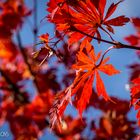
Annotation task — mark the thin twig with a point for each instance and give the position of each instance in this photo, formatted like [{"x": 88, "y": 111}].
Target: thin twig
[
  {"x": 118, "y": 44},
  {"x": 26, "y": 61},
  {"x": 35, "y": 30}
]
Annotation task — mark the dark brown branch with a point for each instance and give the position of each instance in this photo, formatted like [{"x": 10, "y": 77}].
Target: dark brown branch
[
  {"x": 13, "y": 86},
  {"x": 118, "y": 44},
  {"x": 17, "y": 94},
  {"x": 5, "y": 88},
  {"x": 35, "y": 30},
  {"x": 26, "y": 61}
]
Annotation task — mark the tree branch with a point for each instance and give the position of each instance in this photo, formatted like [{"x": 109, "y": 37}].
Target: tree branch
[
  {"x": 14, "y": 87},
  {"x": 35, "y": 30},
  {"x": 117, "y": 44},
  {"x": 17, "y": 94},
  {"x": 5, "y": 88},
  {"x": 26, "y": 61}
]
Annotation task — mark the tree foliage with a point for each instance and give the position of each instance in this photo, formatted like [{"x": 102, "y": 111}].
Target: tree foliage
[{"x": 64, "y": 69}]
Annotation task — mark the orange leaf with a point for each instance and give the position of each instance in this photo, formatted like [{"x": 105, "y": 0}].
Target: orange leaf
[
  {"x": 100, "y": 87},
  {"x": 86, "y": 67},
  {"x": 111, "y": 9},
  {"x": 85, "y": 95},
  {"x": 108, "y": 69},
  {"x": 107, "y": 125},
  {"x": 118, "y": 21},
  {"x": 44, "y": 37},
  {"x": 135, "y": 96}
]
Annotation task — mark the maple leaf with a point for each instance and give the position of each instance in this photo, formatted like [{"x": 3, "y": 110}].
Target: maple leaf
[
  {"x": 46, "y": 50},
  {"x": 71, "y": 128},
  {"x": 13, "y": 12},
  {"x": 134, "y": 39},
  {"x": 88, "y": 70},
  {"x": 135, "y": 96},
  {"x": 44, "y": 38},
  {"x": 136, "y": 23},
  {"x": 61, "y": 101},
  {"x": 85, "y": 18},
  {"x": 8, "y": 49},
  {"x": 114, "y": 125}
]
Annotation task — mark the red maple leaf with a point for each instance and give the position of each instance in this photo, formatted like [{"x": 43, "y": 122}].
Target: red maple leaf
[
  {"x": 134, "y": 39},
  {"x": 85, "y": 18},
  {"x": 13, "y": 12},
  {"x": 44, "y": 38},
  {"x": 88, "y": 70},
  {"x": 135, "y": 96},
  {"x": 71, "y": 128},
  {"x": 8, "y": 50},
  {"x": 45, "y": 51}
]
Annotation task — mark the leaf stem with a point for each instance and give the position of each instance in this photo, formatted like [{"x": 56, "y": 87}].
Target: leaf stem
[{"x": 110, "y": 48}]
